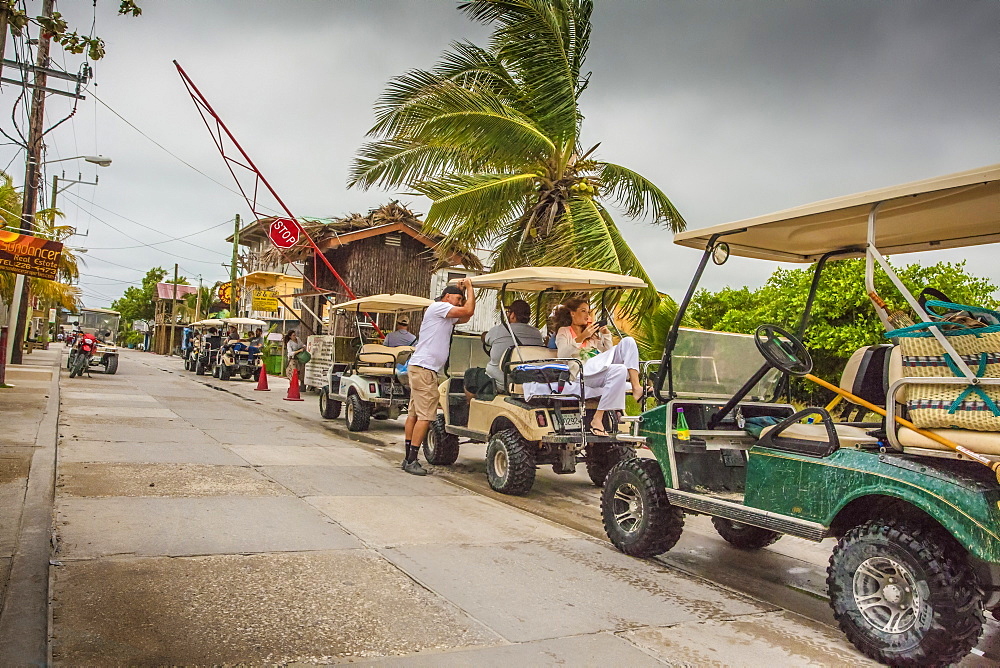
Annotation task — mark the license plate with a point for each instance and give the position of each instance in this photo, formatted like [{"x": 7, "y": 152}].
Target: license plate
[{"x": 571, "y": 421}]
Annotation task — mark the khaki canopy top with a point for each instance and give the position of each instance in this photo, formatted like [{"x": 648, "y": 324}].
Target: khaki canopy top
[
  {"x": 211, "y": 322},
  {"x": 559, "y": 279},
  {"x": 951, "y": 211},
  {"x": 244, "y": 321},
  {"x": 385, "y": 303}
]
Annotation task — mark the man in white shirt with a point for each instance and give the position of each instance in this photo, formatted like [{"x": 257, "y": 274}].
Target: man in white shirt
[
  {"x": 456, "y": 305},
  {"x": 401, "y": 336}
]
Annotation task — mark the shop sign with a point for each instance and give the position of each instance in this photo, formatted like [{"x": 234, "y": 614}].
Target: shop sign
[
  {"x": 31, "y": 256},
  {"x": 265, "y": 300}
]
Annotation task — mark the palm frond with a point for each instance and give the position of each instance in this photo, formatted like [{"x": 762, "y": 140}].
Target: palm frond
[
  {"x": 476, "y": 198},
  {"x": 473, "y": 67},
  {"x": 391, "y": 163},
  {"x": 638, "y": 196}
]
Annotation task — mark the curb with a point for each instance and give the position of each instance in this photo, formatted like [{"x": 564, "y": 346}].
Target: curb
[{"x": 24, "y": 620}]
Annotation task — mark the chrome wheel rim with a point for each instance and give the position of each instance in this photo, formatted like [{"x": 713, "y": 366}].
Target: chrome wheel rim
[
  {"x": 627, "y": 507},
  {"x": 500, "y": 463},
  {"x": 349, "y": 413},
  {"x": 886, "y": 594},
  {"x": 322, "y": 402}
]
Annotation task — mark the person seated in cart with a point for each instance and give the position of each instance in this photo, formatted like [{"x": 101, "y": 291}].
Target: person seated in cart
[
  {"x": 499, "y": 340},
  {"x": 401, "y": 336},
  {"x": 256, "y": 342}
]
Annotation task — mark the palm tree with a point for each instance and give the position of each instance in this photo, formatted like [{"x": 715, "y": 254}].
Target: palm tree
[
  {"x": 492, "y": 137},
  {"x": 60, "y": 291}
]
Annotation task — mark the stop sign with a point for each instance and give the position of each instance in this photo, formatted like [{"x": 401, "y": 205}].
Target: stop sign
[{"x": 284, "y": 232}]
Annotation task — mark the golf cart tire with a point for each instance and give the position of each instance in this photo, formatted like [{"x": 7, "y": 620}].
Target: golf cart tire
[
  {"x": 440, "y": 447},
  {"x": 658, "y": 524},
  {"x": 744, "y": 536},
  {"x": 329, "y": 408},
  {"x": 224, "y": 372},
  {"x": 199, "y": 368},
  {"x": 518, "y": 472},
  {"x": 950, "y": 619},
  {"x": 256, "y": 374},
  {"x": 602, "y": 459},
  {"x": 112, "y": 366},
  {"x": 358, "y": 414}
]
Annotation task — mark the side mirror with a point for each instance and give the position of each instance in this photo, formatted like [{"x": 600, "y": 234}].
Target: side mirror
[{"x": 720, "y": 253}]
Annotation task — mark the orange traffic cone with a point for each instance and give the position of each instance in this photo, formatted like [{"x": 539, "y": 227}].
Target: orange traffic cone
[
  {"x": 262, "y": 382},
  {"x": 293, "y": 387}
]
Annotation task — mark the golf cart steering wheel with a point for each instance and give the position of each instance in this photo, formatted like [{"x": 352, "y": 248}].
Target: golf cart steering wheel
[{"x": 783, "y": 350}]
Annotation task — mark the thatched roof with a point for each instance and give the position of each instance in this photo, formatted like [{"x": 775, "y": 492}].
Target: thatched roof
[{"x": 328, "y": 232}]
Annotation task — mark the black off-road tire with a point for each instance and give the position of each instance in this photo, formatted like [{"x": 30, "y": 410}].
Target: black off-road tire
[
  {"x": 601, "y": 459},
  {"x": 358, "y": 414},
  {"x": 224, "y": 372},
  {"x": 440, "y": 447},
  {"x": 654, "y": 525},
  {"x": 946, "y": 621},
  {"x": 199, "y": 367},
  {"x": 510, "y": 463},
  {"x": 256, "y": 374},
  {"x": 79, "y": 366},
  {"x": 329, "y": 408},
  {"x": 744, "y": 536},
  {"x": 246, "y": 375},
  {"x": 112, "y": 366}
]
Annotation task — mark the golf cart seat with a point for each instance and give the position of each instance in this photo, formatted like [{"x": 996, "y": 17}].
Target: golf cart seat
[
  {"x": 525, "y": 354},
  {"x": 375, "y": 359},
  {"x": 981, "y": 442}
]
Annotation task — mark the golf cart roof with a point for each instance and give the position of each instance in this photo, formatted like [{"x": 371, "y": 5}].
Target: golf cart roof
[
  {"x": 244, "y": 321},
  {"x": 385, "y": 303},
  {"x": 210, "y": 322},
  {"x": 951, "y": 211},
  {"x": 560, "y": 279}
]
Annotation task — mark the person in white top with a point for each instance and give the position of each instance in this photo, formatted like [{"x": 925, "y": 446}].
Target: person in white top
[
  {"x": 401, "y": 336},
  {"x": 607, "y": 368},
  {"x": 456, "y": 305}
]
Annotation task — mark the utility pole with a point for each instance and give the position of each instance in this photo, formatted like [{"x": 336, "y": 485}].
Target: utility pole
[
  {"x": 197, "y": 302},
  {"x": 173, "y": 314},
  {"x": 32, "y": 177},
  {"x": 234, "y": 303}
]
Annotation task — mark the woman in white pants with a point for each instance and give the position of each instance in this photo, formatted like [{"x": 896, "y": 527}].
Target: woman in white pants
[{"x": 607, "y": 369}]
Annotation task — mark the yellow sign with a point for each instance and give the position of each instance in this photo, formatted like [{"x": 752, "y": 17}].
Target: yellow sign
[
  {"x": 265, "y": 300},
  {"x": 224, "y": 291}
]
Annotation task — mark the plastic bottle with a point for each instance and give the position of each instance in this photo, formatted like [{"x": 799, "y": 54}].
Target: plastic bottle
[{"x": 683, "y": 432}]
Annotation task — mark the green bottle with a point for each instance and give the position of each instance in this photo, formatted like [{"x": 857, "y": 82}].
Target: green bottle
[{"x": 683, "y": 432}]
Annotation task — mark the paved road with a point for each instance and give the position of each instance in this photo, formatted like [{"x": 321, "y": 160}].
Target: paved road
[{"x": 199, "y": 521}]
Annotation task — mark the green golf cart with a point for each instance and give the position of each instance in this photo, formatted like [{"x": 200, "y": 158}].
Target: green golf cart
[{"x": 918, "y": 522}]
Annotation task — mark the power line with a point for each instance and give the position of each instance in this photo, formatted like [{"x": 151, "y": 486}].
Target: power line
[{"x": 165, "y": 241}]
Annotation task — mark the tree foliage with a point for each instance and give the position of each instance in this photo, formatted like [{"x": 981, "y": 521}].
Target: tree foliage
[
  {"x": 492, "y": 136},
  {"x": 843, "y": 318},
  {"x": 136, "y": 303},
  {"x": 57, "y": 27}
]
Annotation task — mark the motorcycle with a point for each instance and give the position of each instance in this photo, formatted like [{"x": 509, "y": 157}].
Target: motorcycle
[{"x": 84, "y": 350}]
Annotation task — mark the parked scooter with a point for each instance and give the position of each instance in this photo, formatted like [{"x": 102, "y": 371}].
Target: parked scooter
[{"x": 83, "y": 351}]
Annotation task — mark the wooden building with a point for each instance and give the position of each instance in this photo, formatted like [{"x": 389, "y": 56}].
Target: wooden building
[{"x": 165, "y": 325}]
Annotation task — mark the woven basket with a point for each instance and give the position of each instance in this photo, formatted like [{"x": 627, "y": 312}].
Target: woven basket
[{"x": 959, "y": 406}]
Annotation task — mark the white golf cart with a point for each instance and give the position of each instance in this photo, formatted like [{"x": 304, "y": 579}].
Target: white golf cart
[
  {"x": 371, "y": 385},
  {"x": 200, "y": 344},
  {"x": 234, "y": 358},
  {"x": 523, "y": 431}
]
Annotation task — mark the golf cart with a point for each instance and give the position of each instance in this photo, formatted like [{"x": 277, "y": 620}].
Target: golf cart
[
  {"x": 234, "y": 359},
  {"x": 523, "y": 431},
  {"x": 102, "y": 324},
  {"x": 915, "y": 510},
  {"x": 371, "y": 385},
  {"x": 199, "y": 345},
  {"x": 208, "y": 346}
]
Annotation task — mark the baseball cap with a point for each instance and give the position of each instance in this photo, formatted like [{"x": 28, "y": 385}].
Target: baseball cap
[
  {"x": 402, "y": 320},
  {"x": 452, "y": 290}
]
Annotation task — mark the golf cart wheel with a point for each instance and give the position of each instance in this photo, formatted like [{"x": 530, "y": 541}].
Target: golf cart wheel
[
  {"x": 328, "y": 408},
  {"x": 600, "y": 459},
  {"x": 440, "y": 447},
  {"x": 246, "y": 375},
  {"x": 256, "y": 374},
  {"x": 638, "y": 518},
  {"x": 225, "y": 373},
  {"x": 904, "y": 594},
  {"x": 744, "y": 536},
  {"x": 358, "y": 414},
  {"x": 510, "y": 463},
  {"x": 112, "y": 366},
  {"x": 215, "y": 371},
  {"x": 199, "y": 368}
]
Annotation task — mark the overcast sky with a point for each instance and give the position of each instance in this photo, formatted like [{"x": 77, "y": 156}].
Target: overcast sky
[{"x": 734, "y": 109}]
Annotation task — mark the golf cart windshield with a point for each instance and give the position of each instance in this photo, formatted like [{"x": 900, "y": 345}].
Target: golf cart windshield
[{"x": 714, "y": 365}]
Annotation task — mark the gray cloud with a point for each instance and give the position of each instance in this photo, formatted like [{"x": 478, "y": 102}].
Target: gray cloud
[{"x": 734, "y": 109}]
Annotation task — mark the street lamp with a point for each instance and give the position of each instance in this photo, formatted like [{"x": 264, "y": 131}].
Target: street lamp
[{"x": 99, "y": 160}]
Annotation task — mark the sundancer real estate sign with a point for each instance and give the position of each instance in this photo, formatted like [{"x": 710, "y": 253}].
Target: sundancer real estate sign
[{"x": 31, "y": 256}]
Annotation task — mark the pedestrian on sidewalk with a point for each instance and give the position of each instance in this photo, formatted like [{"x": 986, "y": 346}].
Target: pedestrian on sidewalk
[
  {"x": 456, "y": 305},
  {"x": 292, "y": 349}
]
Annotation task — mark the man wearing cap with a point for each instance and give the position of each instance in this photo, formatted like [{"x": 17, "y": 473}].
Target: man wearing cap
[
  {"x": 456, "y": 305},
  {"x": 402, "y": 336}
]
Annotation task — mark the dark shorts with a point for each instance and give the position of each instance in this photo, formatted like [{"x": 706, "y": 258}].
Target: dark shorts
[{"x": 478, "y": 383}]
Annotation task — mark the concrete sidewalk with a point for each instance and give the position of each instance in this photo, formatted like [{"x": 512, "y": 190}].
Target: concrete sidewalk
[
  {"x": 197, "y": 527},
  {"x": 28, "y": 414}
]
